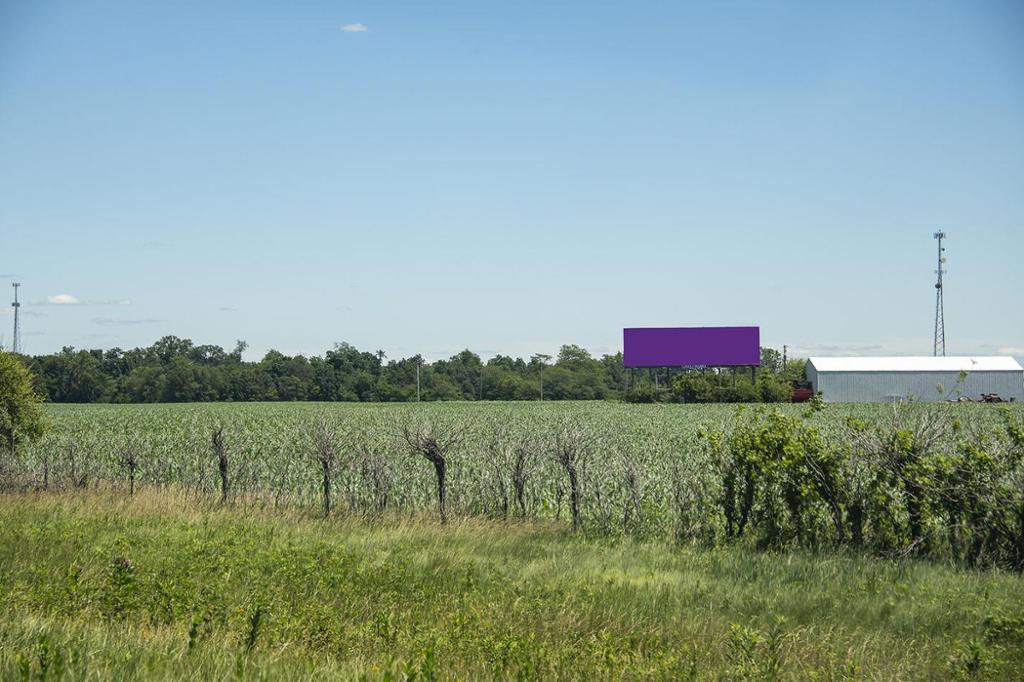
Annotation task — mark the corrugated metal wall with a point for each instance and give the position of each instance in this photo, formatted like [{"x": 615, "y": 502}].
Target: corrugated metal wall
[{"x": 871, "y": 387}]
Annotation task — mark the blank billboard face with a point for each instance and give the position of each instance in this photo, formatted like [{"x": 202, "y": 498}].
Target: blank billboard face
[{"x": 691, "y": 346}]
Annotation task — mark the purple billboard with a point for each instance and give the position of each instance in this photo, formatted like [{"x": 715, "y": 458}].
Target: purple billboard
[{"x": 691, "y": 346}]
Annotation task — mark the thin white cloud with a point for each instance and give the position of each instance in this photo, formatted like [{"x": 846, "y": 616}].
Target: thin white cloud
[
  {"x": 121, "y": 321},
  {"x": 901, "y": 347},
  {"x": 69, "y": 299},
  {"x": 841, "y": 349},
  {"x": 355, "y": 28}
]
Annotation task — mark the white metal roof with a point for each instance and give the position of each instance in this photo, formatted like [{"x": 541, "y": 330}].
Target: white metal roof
[{"x": 926, "y": 363}]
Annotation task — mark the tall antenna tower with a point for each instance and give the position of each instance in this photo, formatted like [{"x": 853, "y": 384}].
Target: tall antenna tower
[
  {"x": 16, "y": 343},
  {"x": 939, "y": 346}
]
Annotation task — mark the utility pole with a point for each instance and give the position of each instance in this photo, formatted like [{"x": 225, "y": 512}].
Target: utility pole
[
  {"x": 418, "y": 361},
  {"x": 16, "y": 343},
  {"x": 939, "y": 343},
  {"x": 542, "y": 358}
]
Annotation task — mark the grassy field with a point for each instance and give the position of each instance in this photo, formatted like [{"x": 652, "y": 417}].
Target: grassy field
[
  {"x": 121, "y": 554},
  {"x": 98, "y": 585}
]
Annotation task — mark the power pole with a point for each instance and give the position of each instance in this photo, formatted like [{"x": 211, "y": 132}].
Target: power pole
[
  {"x": 542, "y": 358},
  {"x": 16, "y": 343},
  {"x": 418, "y": 380},
  {"x": 939, "y": 344}
]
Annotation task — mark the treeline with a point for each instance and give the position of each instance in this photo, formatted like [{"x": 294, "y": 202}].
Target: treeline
[{"x": 176, "y": 370}]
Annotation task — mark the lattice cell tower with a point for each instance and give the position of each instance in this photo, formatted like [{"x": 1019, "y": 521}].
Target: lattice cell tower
[
  {"x": 939, "y": 345},
  {"x": 16, "y": 343}
]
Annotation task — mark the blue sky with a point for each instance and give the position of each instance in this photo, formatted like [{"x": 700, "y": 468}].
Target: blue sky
[{"x": 508, "y": 176}]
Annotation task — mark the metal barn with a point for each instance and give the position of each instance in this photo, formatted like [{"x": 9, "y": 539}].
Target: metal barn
[{"x": 928, "y": 379}]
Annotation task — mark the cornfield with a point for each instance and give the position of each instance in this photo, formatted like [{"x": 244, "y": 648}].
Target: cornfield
[{"x": 943, "y": 481}]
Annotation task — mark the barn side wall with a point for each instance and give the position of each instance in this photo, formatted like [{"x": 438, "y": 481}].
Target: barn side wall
[{"x": 866, "y": 387}]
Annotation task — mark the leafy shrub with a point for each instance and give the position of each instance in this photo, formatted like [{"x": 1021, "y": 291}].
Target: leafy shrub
[
  {"x": 646, "y": 394},
  {"x": 21, "y": 418}
]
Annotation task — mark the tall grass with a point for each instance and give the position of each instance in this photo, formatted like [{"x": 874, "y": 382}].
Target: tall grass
[{"x": 103, "y": 586}]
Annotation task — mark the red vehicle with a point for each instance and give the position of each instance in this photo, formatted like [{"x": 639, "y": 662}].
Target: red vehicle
[{"x": 801, "y": 394}]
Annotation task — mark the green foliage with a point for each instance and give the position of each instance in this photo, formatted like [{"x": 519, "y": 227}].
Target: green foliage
[
  {"x": 255, "y": 620},
  {"x": 923, "y": 484},
  {"x": 21, "y": 417},
  {"x": 175, "y": 370},
  {"x": 773, "y": 389},
  {"x": 756, "y": 655},
  {"x": 781, "y": 480},
  {"x": 695, "y": 386},
  {"x": 911, "y": 482},
  {"x": 168, "y": 587},
  {"x": 118, "y": 593}
]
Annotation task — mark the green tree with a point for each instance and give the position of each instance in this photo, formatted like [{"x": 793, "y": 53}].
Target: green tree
[
  {"x": 21, "y": 417},
  {"x": 773, "y": 388},
  {"x": 693, "y": 387},
  {"x": 464, "y": 371},
  {"x": 74, "y": 376},
  {"x": 771, "y": 360},
  {"x": 573, "y": 358},
  {"x": 615, "y": 371}
]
